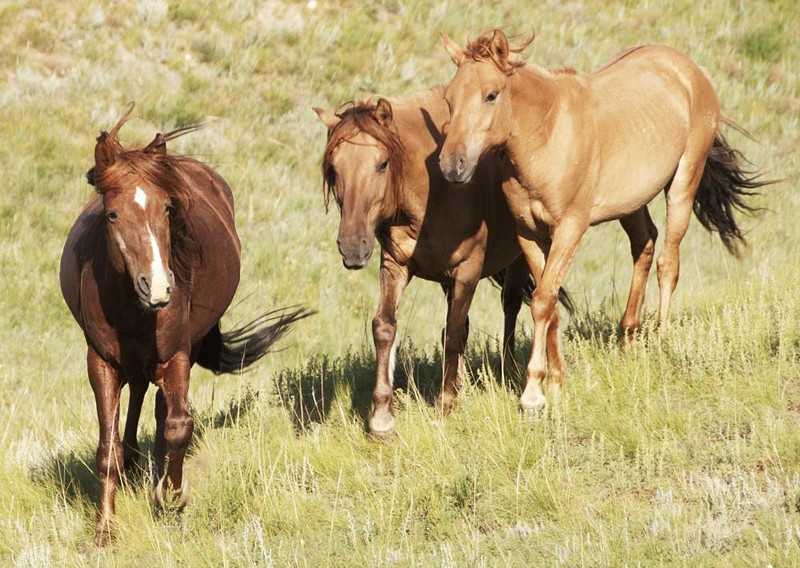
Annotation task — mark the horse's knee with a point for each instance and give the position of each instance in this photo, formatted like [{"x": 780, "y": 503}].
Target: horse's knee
[
  {"x": 384, "y": 330},
  {"x": 455, "y": 340},
  {"x": 544, "y": 306},
  {"x": 178, "y": 431},
  {"x": 109, "y": 458}
]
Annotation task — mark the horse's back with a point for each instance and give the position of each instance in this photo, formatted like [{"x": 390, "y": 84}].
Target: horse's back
[{"x": 657, "y": 71}]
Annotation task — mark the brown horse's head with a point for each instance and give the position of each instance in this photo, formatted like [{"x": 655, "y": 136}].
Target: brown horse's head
[
  {"x": 142, "y": 189},
  {"x": 362, "y": 168},
  {"x": 480, "y": 106}
]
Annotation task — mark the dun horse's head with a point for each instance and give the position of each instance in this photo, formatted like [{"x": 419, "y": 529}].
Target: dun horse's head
[
  {"x": 479, "y": 101},
  {"x": 137, "y": 213},
  {"x": 362, "y": 168}
]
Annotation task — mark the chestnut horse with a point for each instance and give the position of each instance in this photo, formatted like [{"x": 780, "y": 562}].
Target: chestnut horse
[
  {"x": 380, "y": 168},
  {"x": 147, "y": 270},
  {"x": 588, "y": 148}
]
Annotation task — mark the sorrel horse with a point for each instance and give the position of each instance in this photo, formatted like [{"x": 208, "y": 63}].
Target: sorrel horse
[
  {"x": 147, "y": 270},
  {"x": 379, "y": 166},
  {"x": 588, "y": 148}
]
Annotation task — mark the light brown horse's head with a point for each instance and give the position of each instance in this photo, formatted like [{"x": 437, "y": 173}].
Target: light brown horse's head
[
  {"x": 141, "y": 190},
  {"x": 480, "y": 105},
  {"x": 362, "y": 169}
]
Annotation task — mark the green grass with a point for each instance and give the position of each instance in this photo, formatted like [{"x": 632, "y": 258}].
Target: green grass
[{"x": 678, "y": 451}]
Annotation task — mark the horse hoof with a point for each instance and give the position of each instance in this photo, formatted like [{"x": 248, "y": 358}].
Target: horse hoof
[
  {"x": 381, "y": 426},
  {"x": 445, "y": 404},
  {"x": 533, "y": 404},
  {"x": 177, "y": 501},
  {"x": 104, "y": 534}
]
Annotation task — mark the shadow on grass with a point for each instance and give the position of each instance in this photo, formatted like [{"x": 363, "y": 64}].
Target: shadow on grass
[
  {"x": 74, "y": 472},
  {"x": 308, "y": 393}
]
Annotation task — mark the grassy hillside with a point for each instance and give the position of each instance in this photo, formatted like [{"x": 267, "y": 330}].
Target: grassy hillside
[{"x": 679, "y": 452}]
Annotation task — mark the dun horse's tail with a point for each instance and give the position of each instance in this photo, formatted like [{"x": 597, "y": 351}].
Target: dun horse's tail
[
  {"x": 235, "y": 350},
  {"x": 530, "y": 286},
  {"x": 724, "y": 187}
]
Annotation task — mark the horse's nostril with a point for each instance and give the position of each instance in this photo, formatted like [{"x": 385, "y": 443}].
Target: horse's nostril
[{"x": 144, "y": 284}]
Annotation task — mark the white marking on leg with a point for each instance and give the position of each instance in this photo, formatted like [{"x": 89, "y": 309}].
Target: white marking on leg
[
  {"x": 159, "y": 284},
  {"x": 140, "y": 198}
]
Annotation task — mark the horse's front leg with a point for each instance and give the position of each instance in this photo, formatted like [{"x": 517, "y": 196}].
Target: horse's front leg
[
  {"x": 394, "y": 279},
  {"x": 106, "y": 385},
  {"x": 546, "y": 348},
  {"x": 174, "y": 426},
  {"x": 459, "y": 299}
]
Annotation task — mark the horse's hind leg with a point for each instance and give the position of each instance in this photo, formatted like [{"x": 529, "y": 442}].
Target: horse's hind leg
[
  {"x": 517, "y": 274},
  {"x": 680, "y": 202},
  {"x": 130, "y": 444},
  {"x": 459, "y": 299},
  {"x": 642, "y": 234},
  {"x": 106, "y": 386}
]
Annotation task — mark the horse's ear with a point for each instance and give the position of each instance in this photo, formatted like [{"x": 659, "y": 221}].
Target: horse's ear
[
  {"x": 157, "y": 146},
  {"x": 454, "y": 50},
  {"x": 383, "y": 112},
  {"x": 104, "y": 152},
  {"x": 328, "y": 119},
  {"x": 499, "y": 45},
  {"x": 107, "y": 147}
]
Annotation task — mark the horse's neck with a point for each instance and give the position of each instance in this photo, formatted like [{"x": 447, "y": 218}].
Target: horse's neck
[
  {"x": 535, "y": 100},
  {"x": 419, "y": 120}
]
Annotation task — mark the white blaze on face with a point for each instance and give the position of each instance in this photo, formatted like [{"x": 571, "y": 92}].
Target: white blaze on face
[
  {"x": 159, "y": 282},
  {"x": 159, "y": 285},
  {"x": 140, "y": 198}
]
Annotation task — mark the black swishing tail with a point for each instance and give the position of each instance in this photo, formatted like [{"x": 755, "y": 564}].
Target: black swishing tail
[
  {"x": 530, "y": 286},
  {"x": 725, "y": 187},
  {"x": 235, "y": 350}
]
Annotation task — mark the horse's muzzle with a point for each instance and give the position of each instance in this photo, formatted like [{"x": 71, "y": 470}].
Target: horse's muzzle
[
  {"x": 154, "y": 299},
  {"x": 455, "y": 168},
  {"x": 355, "y": 252}
]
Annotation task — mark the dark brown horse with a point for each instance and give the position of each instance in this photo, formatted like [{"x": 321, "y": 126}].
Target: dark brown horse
[
  {"x": 380, "y": 168},
  {"x": 148, "y": 268}
]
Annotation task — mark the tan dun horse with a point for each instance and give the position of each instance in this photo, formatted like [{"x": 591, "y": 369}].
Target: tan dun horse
[
  {"x": 380, "y": 168},
  {"x": 588, "y": 148},
  {"x": 148, "y": 268}
]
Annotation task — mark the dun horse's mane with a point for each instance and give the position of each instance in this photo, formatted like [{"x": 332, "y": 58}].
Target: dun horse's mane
[
  {"x": 359, "y": 117},
  {"x": 173, "y": 174},
  {"x": 480, "y": 49}
]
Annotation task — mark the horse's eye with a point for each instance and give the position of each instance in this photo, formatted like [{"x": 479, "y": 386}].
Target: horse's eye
[
  {"x": 383, "y": 165},
  {"x": 490, "y": 98},
  {"x": 111, "y": 215},
  {"x": 168, "y": 209}
]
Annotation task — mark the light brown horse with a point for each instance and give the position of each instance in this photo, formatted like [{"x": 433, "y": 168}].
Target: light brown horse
[
  {"x": 380, "y": 168},
  {"x": 147, "y": 270},
  {"x": 587, "y": 148}
]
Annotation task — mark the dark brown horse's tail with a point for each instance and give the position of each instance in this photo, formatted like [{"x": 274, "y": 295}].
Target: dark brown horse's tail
[
  {"x": 527, "y": 291},
  {"x": 725, "y": 187},
  {"x": 235, "y": 350}
]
